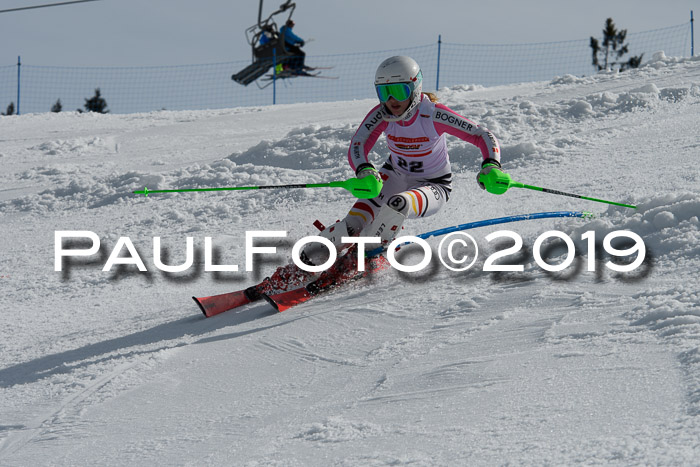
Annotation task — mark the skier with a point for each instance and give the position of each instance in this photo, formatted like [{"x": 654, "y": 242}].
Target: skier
[
  {"x": 416, "y": 179},
  {"x": 293, "y": 44},
  {"x": 268, "y": 34}
]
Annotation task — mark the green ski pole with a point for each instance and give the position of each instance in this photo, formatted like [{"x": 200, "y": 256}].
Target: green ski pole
[
  {"x": 498, "y": 182},
  {"x": 363, "y": 188}
]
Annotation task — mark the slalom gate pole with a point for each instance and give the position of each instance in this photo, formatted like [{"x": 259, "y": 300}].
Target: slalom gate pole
[
  {"x": 499, "y": 220},
  {"x": 363, "y": 188}
]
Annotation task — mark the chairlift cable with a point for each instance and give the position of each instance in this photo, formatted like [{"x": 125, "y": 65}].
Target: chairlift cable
[{"x": 46, "y": 5}]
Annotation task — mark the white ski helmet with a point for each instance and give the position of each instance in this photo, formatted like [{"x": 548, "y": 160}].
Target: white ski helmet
[{"x": 399, "y": 70}]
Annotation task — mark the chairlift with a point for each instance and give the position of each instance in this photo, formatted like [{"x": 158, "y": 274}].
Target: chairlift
[{"x": 269, "y": 54}]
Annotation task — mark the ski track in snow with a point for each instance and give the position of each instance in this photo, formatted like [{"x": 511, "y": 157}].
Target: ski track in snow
[{"x": 439, "y": 368}]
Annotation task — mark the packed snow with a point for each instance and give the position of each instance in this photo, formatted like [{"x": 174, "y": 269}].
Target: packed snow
[{"x": 429, "y": 368}]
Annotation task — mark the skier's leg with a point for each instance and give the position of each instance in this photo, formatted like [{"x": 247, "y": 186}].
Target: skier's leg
[
  {"x": 414, "y": 203},
  {"x": 317, "y": 253},
  {"x": 386, "y": 225},
  {"x": 423, "y": 197},
  {"x": 418, "y": 202},
  {"x": 291, "y": 276},
  {"x": 361, "y": 214},
  {"x": 284, "y": 278}
]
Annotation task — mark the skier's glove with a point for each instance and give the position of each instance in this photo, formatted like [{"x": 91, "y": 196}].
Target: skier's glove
[
  {"x": 374, "y": 180},
  {"x": 487, "y": 166},
  {"x": 368, "y": 170},
  {"x": 491, "y": 178}
]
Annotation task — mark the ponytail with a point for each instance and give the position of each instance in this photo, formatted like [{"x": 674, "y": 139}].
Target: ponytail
[{"x": 433, "y": 97}]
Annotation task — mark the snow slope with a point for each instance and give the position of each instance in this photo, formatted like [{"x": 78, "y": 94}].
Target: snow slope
[{"x": 432, "y": 368}]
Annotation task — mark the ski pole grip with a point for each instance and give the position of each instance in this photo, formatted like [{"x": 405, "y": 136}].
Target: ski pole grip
[{"x": 496, "y": 182}]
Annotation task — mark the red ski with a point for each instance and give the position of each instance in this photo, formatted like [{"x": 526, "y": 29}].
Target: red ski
[
  {"x": 285, "y": 300},
  {"x": 216, "y": 304},
  {"x": 344, "y": 270},
  {"x": 283, "y": 278}
]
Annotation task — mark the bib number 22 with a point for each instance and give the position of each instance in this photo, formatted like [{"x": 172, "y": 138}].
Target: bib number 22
[{"x": 413, "y": 166}]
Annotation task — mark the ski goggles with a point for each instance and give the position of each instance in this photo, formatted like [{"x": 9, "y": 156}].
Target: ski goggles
[{"x": 399, "y": 91}]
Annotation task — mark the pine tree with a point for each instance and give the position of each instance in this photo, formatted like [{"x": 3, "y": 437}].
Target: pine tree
[
  {"x": 10, "y": 109},
  {"x": 613, "y": 44},
  {"x": 96, "y": 103},
  {"x": 57, "y": 107}
]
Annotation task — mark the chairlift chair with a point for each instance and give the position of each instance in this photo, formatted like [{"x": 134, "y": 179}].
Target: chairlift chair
[{"x": 272, "y": 53}]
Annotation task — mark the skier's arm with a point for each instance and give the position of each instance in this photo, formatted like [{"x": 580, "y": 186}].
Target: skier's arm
[
  {"x": 365, "y": 137},
  {"x": 292, "y": 38},
  {"x": 448, "y": 121}
]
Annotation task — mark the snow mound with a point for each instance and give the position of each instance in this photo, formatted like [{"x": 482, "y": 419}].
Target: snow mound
[
  {"x": 659, "y": 60},
  {"x": 307, "y": 148},
  {"x": 609, "y": 103},
  {"x": 567, "y": 79},
  {"x": 226, "y": 173},
  {"x": 668, "y": 224},
  {"x": 78, "y": 189},
  {"x": 76, "y": 146}
]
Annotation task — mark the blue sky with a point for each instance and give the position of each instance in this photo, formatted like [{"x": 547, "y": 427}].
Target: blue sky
[{"x": 178, "y": 32}]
